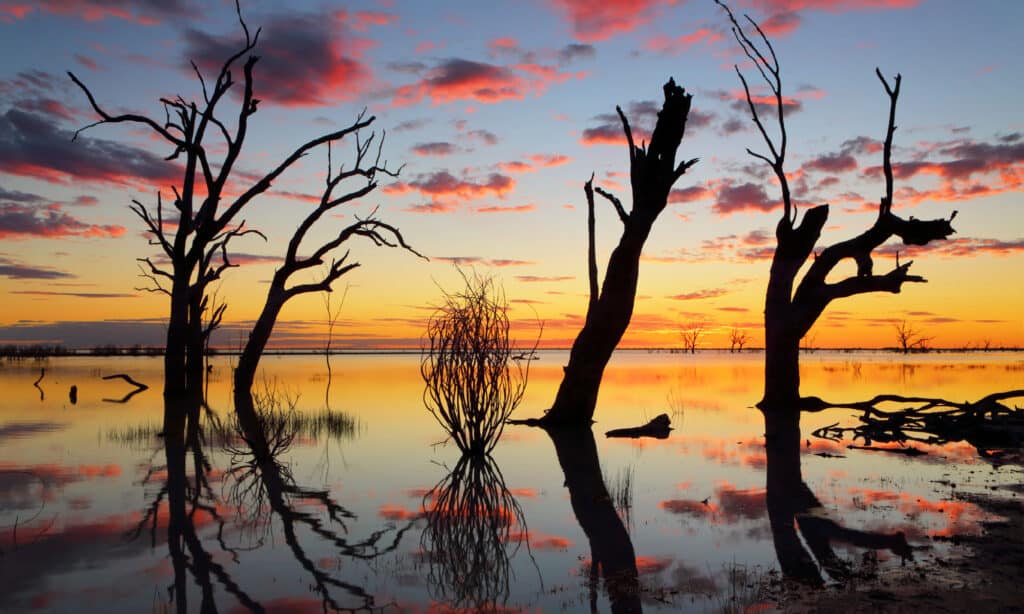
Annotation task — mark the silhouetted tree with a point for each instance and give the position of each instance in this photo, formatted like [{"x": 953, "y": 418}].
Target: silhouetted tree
[
  {"x": 910, "y": 338},
  {"x": 737, "y": 339},
  {"x": 690, "y": 335},
  {"x": 790, "y": 313},
  {"x": 653, "y": 172},
  {"x": 473, "y": 526},
  {"x": 281, "y": 288},
  {"x": 259, "y": 483},
  {"x": 194, "y": 239}
]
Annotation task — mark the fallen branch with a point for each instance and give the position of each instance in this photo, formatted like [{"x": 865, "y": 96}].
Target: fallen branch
[
  {"x": 128, "y": 379},
  {"x": 904, "y": 451},
  {"x": 988, "y": 423}
]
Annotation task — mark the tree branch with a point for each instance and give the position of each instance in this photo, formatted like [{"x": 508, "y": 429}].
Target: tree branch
[{"x": 615, "y": 202}]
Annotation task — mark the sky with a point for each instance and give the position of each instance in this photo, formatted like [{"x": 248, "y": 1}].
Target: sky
[{"x": 496, "y": 113}]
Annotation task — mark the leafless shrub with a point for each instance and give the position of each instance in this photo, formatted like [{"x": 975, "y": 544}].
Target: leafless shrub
[{"x": 475, "y": 377}]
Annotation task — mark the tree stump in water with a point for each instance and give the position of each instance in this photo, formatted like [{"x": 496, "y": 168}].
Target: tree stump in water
[{"x": 658, "y": 428}]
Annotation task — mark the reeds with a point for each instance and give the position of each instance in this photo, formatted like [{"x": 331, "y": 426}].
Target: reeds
[{"x": 475, "y": 377}]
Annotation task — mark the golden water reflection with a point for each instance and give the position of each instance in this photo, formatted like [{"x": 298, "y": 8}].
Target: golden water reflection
[{"x": 76, "y": 480}]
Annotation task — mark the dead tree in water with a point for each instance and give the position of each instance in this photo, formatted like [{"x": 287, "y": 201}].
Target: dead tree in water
[
  {"x": 653, "y": 172},
  {"x": 690, "y": 335},
  {"x": 365, "y": 169},
  {"x": 194, "y": 236},
  {"x": 910, "y": 338},
  {"x": 790, "y": 314},
  {"x": 737, "y": 339}
]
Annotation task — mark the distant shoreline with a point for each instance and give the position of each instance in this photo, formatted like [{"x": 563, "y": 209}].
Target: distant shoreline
[{"x": 23, "y": 352}]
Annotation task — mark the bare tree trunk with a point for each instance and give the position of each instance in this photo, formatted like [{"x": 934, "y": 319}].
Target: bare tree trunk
[
  {"x": 249, "y": 360},
  {"x": 605, "y": 325},
  {"x": 174, "y": 351},
  {"x": 653, "y": 171},
  {"x": 791, "y": 307}
]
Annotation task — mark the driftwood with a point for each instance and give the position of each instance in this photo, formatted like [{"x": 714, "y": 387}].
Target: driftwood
[
  {"x": 139, "y": 387},
  {"x": 657, "y": 428},
  {"x": 988, "y": 424},
  {"x": 42, "y": 374},
  {"x": 128, "y": 379},
  {"x": 903, "y": 451}
]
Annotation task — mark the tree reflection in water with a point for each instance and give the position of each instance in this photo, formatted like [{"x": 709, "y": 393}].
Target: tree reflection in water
[
  {"x": 261, "y": 493},
  {"x": 189, "y": 502},
  {"x": 474, "y": 525},
  {"x": 792, "y": 506},
  {"x": 612, "y": 554},
  {"x": 265, "y": 487}
]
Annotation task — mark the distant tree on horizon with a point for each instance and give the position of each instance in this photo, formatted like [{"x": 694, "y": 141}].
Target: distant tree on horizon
[
  {"x": 910, "y": 338},
  {"x": 789, "y": 313},
  {"x": 691, "y": 334}
]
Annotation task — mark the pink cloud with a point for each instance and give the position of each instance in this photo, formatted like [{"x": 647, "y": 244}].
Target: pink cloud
[
  {"x": 305, "y": 59},
  {"x": 732, "y": 198},
  {"x": 680, "y": 44},
  {"x": 597, "y": 21}
]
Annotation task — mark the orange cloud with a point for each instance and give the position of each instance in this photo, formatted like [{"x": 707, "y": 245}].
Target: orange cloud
[
  {"x": 549, "y": 160},
  {"x": 512, "y": 209},
  {"x": 444, "y": 184}
]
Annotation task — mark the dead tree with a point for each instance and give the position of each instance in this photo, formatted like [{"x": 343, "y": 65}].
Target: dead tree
[
  {"x": 789, "y": 313},
  {"x": 737, "y": 339},
  {"x": 653, "y": 172},
  {"x": 194, "y": 236},
  {"x": 691, "y": 336},
  {"x": 281, "y": 290},
  {"x": 910, "y": 338}
]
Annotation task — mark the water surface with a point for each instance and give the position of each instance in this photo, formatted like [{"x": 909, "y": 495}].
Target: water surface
[{"x": 337, "y": 519}]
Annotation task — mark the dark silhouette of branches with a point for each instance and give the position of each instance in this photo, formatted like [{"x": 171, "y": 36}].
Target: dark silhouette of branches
[
  {"x": 691, "y": 334},
  {"x": 910, "y": 338},
  {"x": 737, "y": 339},
  {"x": 475, "y": 376},
  {"x": 473, "y": 527},
  {"x": 789, "y": 312},
  {"x": 988, "y": 424},
  {"x": 337, "y": 191},
  {"x": 793, "y": 507},
  {"x": 139, "y": 387},
  {"x": 194, "y": 236},
  {"x": 263, "y": 486}
]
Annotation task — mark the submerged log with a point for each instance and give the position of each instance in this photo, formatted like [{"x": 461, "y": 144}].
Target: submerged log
[
  {"x": 128, "y": 379},
  {"x": 657, "y": 428}
]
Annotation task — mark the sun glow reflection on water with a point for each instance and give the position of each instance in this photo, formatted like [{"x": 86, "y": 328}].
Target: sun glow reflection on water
[{"x": 76, "y": 480}]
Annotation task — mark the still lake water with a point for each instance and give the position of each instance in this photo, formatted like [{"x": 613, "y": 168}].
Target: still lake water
[{"x": 84, "y": 487}]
